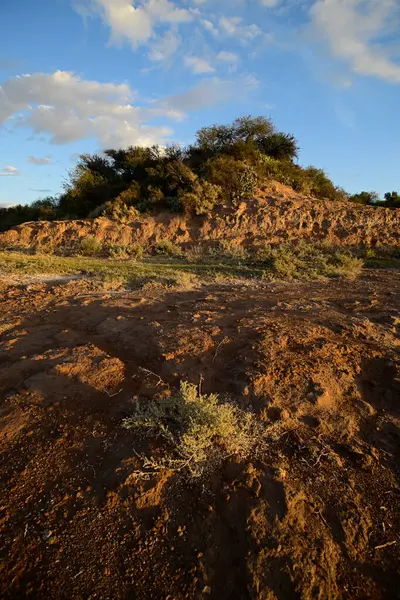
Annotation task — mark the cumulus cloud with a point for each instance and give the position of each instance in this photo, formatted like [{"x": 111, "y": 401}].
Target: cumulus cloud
[
  {"x": 68, "y": 108},
  {"x": 37, "y": 160},
  {"x": 354, "y": 30},
  {"x": 233, "y": 26},
  {"x": 209, "y": 26},
  {"x": 198, "y": 65},
  {"x": 9, "y": 171},
  {"x": 134, "y": 24}
]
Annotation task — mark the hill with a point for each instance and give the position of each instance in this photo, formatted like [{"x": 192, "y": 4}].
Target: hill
[{"x": 275, "y": 214}]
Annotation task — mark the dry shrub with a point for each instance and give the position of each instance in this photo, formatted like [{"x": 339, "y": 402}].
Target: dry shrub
[
  {"x": 200, "y": 430},
  {"x": 232, "y": 250},
  {"x": 167, "y": 248},
  {"x": 90, "y": 246},
  {"x": 126, "y": 251}
]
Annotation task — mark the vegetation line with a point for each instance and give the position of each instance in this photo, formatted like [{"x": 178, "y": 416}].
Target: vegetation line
[{"x": 224, "y": 164}]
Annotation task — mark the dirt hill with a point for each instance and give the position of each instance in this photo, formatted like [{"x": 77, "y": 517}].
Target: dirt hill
[{"x": 276, "y": 214}]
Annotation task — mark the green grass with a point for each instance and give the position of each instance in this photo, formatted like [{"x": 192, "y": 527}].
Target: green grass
[
  {"x": 131, "y": 272},
  {"x": 303, "y": 261}
]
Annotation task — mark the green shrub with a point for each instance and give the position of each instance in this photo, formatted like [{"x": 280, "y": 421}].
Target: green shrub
[
  {"x": 200, "y": 430},
  {"x": 236, "y": 179},
  {"x": 90, "y": 246},
  {"x": 167, "y": 248},
  {"x": 281, "y": 146},
  {"x": 232, "y": 250},
  {"x": 308, "y": 261},
  {"x": 201, "y": 200}
]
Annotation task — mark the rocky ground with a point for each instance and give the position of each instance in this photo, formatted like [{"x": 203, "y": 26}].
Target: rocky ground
[{"x": 314, "y": 514}]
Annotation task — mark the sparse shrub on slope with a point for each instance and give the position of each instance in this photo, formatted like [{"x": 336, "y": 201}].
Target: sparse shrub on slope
[
  {"x": 167, "y": 248},
  {"x": 201, "y": 200},
  {"x": 199, "y": 429},
  {"x": 236, "y": 179},
  {"x": 90, "y": 246}
]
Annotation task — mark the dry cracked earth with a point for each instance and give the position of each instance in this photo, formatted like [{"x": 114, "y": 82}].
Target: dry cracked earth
[{"x": 315, "y": 515}]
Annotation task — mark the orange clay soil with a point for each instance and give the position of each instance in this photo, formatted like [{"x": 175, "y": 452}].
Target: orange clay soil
[
  {"x": 276, "y": 214},
  {"x": 315, "y": 515}
]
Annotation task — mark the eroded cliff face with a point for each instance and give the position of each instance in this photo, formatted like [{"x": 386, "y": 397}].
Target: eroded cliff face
[{"x": 276, "y": 214}]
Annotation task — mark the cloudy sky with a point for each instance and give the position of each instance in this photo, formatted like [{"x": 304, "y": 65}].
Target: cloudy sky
[{"x": 83, "y": 75}]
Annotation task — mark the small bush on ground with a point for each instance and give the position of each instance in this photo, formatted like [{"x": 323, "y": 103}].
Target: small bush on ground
[
  {"x": 90, "y": 246},
  {"x": 167, "y": 248},
  {"x": 232, "y": 250},
  {"x": 201, "y": 431},
  {"x": 308, "y": 261}
]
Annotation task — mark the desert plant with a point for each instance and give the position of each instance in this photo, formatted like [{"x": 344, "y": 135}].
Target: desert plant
[
  {"x": 90, "y": 246},
  {"x": 230, "y": 249},
  {"x": 202, "y": 199},
  {"x": 167, "y": 248},
  {"x": 200, "y": 430},
  {"x": 307, "y": 261},
  {"x": 281, "y": 146},
  {"x": 237, "y": 179}
]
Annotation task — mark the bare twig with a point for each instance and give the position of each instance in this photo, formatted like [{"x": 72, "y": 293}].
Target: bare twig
[
  {"x": 77, "y": 575},
  {"x": 200, "y": 383},
  {"x": 151, "y": 373},
  {"x": 115, "y": 394},
  {"x": 222, "y": 342},
  {"x": 385, "y": 545}
]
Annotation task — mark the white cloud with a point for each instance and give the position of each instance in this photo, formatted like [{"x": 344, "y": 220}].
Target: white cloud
[
  {"x": 228, "y": 57},
  {"x": 165, "y": 47},
  {"x": 198, "y": 65},
  {"x": 208, "y": 93},
  {"x": 68, "y": 108},
  {"x": 9, "y": 171},
  {"x": 132, "y": 24},
  {"x": 353, "y": 30},
  {"x": 7, "y": 204},
  {"x": 209, "y": 26},
  {"x": 233, "y": 26},
  {"x": 37, "y": 160}
]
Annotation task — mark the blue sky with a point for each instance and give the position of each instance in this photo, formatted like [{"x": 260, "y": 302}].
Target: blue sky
[{"x": 81, "y": 75}]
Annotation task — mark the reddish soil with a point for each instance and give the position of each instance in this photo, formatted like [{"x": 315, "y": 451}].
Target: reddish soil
[
  {"x": 314, "y": 516},
  {"x": 276, "y": 214}
]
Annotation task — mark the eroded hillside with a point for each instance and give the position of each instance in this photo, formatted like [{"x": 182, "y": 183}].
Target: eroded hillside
[{"x": 276, "y": 214}]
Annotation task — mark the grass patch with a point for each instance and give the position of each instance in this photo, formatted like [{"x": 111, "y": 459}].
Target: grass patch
[
  {"x": 168, "y": 248},
  {"x": 199, "y": 429},
  {"x": 309, "y": 261},
  {"x": 132, "y": 273},
  {"x": 303, "y": 261},
  {"x": 90, "y": 246}
]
